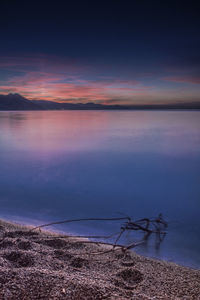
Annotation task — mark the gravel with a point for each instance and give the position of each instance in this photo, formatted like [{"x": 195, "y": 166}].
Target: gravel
[{"x": 43, "y": 265}]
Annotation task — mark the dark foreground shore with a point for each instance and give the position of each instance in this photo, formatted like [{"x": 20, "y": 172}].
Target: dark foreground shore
[{"x": 44, "y": 265}]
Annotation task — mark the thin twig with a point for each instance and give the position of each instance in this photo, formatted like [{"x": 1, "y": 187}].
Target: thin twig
[{"x": 80, "y": 220}]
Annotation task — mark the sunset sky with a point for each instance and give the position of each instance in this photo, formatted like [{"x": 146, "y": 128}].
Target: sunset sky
[{"x": 114, "y": 52}]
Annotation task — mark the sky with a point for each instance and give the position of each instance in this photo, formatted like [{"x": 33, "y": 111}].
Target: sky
[{"x": 108, "y": 52}]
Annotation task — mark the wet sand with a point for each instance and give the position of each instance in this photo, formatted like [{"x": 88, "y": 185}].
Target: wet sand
[{"x": 45, "y": 265}]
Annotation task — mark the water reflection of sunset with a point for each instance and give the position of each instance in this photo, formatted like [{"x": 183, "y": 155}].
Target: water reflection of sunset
[{"x": 49, "y": 133}]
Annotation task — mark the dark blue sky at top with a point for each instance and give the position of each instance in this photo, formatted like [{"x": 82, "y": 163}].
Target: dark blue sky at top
[{"x": 154, "y": 43}]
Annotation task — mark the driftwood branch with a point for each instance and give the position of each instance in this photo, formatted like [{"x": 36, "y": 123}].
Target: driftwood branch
[
  {"x": 80, "y": 220},
  {"x": 147, "y": 226}
]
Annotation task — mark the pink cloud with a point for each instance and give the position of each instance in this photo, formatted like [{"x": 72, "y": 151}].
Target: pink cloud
[
  {"x": 52, "y": 79},
  {"x": 184, "y": 79}
]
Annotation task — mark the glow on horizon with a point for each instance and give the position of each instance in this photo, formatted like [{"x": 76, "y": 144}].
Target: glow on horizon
[{"x": 46, "y": 78}]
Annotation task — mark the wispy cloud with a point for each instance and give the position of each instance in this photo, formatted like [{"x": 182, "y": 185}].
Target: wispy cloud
[
  {"x": 59, "y": 79},
  {"x": 184, "y": 79},
  {"x": 39, "y": 78}
]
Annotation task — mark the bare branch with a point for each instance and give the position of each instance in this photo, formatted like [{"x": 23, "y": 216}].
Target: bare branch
[{"x": 147, "y": 226}]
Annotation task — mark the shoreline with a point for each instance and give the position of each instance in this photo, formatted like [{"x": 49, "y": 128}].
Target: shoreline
[{"x": 45, "y": 265}]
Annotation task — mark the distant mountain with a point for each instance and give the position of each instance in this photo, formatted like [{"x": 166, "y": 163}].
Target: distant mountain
[
  {"x": 71, "y": 106},
  {"x": 50, "y": 105},
  {"x": 18, "y": 102}
]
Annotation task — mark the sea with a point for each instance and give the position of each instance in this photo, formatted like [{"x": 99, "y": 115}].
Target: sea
[{"x": 60, "y": 165}]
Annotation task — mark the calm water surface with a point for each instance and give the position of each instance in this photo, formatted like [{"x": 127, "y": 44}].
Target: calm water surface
[{"x": 70, "y": 164}]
